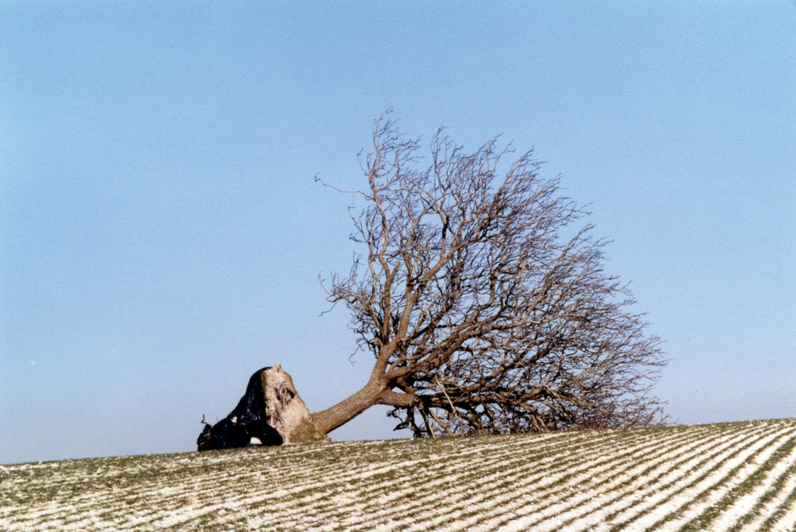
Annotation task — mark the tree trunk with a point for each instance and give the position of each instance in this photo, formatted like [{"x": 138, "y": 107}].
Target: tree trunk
[
  {"x": 376, "y": 392},
  {"x": 271, "y": 412},
  {"x": 348, "y": 409}
]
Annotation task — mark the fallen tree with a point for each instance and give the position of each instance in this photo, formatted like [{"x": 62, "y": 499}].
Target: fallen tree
[{"x": 485, "y": 307}]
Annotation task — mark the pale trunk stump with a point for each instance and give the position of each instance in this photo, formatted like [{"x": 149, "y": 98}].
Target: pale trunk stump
[
  {"x": 270, "y": 413},
  {"x": 285, "y": 411}
]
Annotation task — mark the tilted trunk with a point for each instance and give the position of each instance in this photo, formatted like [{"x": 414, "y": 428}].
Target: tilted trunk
[
  {"x": 376, "y": 392},
  {"x": 348, "y": 409}
]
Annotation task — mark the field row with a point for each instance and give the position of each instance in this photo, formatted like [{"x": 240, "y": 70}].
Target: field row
[{"x": 735, "y": 477}]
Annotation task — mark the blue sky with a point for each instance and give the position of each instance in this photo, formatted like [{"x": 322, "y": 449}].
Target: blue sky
[{"x": 161, "y": 233}]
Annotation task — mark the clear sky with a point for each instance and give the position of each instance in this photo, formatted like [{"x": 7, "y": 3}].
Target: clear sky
[{"x": 161, "y": 234}]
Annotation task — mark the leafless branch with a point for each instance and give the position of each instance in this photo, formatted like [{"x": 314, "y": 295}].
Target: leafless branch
[{"x": 482, "y": 297}]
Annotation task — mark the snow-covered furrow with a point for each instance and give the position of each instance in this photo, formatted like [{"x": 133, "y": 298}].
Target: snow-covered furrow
[
  {"x": 695, "y": 494},
  {"x": 450, "y": 487},
  {"x": 456, "y": 470},
  {"x": 772, "y": 502},
  {"x": 782, "y": 518},
  {"x": 474, "y": 507},
  {"x": 677, "y": 485},
  {"x": 752, "y": 505},
  {"x": 296, "y": 497},
  {"x": 447, "y": 465},
  {"x": 715, "y": 501},
  {"x": 139, "y": 521},
  {"x": 589, "y": 485},
  {"x": 369, "y": 481},
  {"x": 734, "y": 477},
  {"x": 645, "y": 482},
  {"x": 589, "y": 499}
]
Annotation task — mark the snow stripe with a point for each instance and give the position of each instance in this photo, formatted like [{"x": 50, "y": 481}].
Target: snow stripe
[
  {"x": 733, "y": 477},
  {"x": 607, "y": 498},
  {"x": 702, "y": 493},
  {"x": 547, "y": 516},
  {"x": 668, "y": 490}
]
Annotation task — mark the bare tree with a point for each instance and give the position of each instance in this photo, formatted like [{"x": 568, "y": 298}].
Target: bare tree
[{"x": 485, "y": 308}]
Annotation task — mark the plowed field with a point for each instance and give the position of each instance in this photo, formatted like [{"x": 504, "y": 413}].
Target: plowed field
[{"x": 722, "y": 477}]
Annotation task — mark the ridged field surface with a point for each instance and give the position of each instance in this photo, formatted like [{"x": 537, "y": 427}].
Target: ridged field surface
[{"x": 728, "y": 477}]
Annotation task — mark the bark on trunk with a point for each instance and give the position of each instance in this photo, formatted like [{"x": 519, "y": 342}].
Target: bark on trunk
[
  {"x": 376, "y": 392},
  {"x": 348, "y": 409}
]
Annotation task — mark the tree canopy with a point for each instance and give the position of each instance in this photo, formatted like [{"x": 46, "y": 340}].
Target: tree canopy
[{"x": 480, "y": 293}]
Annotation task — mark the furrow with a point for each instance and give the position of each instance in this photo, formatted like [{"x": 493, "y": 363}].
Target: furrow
[
  {"x": 735, "y": 477},
  {"x": 527, "y": 515},
  {"x": 673, "y": 484},
  {"x": 534, "y": 508},
  {"x": 773, "y": 500},
  {"x": 420, "y": 486},
  {"x": 586, "y": 510},
  {"x": 654, "y": 481},
  {"x": 519, "y": 467},
  {"x": 703, "y": 491},
  {"x": 749, "y": 507},
  {"x": 783, "y": 518},
  {"x": 296, "y": 493},
  {"x": 380, "y": 494}
]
